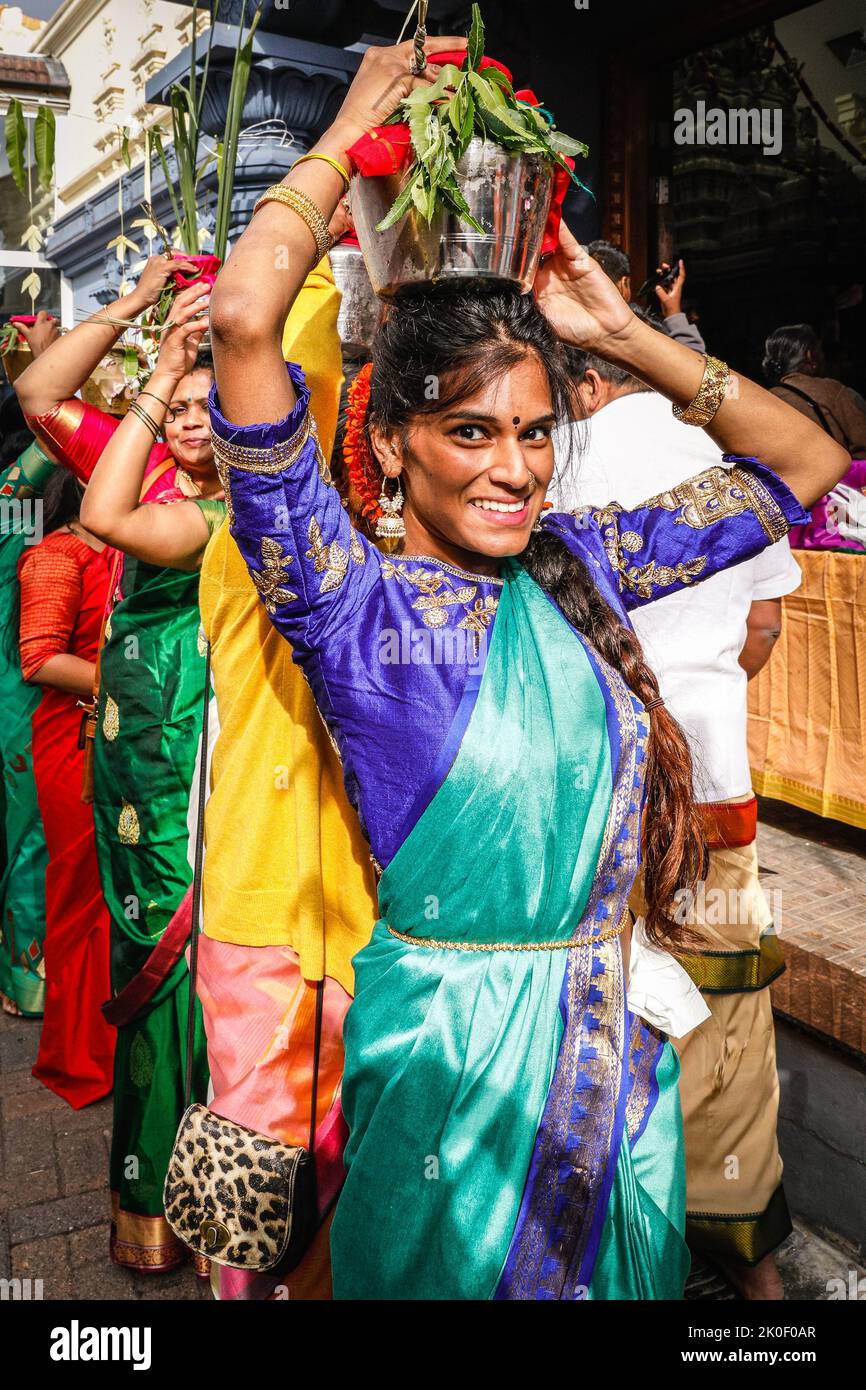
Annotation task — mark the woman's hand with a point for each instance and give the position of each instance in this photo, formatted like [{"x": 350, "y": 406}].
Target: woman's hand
[
  {"x": 382, "y": 81},
  {"x": 584, "y": 307},
  {"x": 40, "y": 335},
  {"x": 154, "y": 278},
  {"x": 183, "y": 332}
]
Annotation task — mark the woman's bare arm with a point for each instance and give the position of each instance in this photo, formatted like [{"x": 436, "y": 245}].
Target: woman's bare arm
[
  {"x": 264, "y": 274},
  {"x": 586, "y": 310},
  {"x": 176, "y": 535},
  {"x": 63, "y": 368},
  {"x": 66, "y": 672}
]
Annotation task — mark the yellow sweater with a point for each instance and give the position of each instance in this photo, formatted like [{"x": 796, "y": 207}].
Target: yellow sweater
[{"x": 286, "y": 862}]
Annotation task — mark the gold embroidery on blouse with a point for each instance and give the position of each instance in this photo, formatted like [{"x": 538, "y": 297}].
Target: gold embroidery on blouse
[
  {"x": 110, "y": 720},
  {"x": 270, "y": 579},
  {"x": 225, "y": 480},
  {"x": 329, "y": 559},
  {"x": 479, "y": 618},
  {"x": 719, "y": 493},
  {"x": 107, "y": 630},
  {"x": 322, "y": 463},
  {"x": 641, "y": 580},
  {"x": 437, "y": 597},
  {"x": 268, "y": 461},
  {"x": 356, "y": 549},
  {"x": 201, "y": 641},
  {"x": 128, "y": 828}
]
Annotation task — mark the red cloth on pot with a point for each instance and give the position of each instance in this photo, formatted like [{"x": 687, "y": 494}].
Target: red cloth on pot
[{"x": 208, "y": 266}]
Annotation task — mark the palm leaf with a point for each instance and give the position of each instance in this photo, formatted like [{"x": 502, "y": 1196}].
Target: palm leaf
[
  {"x": 43, "y": 142},
  {"x": 16, "y": 143}
]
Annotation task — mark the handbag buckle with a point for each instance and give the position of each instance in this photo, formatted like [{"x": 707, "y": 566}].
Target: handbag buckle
[{"x": 214, "y": 1234}]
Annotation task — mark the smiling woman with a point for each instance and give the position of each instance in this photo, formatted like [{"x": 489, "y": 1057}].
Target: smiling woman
[{"x": 495, "y": 1076}]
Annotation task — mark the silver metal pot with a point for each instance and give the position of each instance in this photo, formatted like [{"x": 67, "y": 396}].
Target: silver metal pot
[
  {"x": 508, "y": 194},
  {"x": 360, "y": 310}
]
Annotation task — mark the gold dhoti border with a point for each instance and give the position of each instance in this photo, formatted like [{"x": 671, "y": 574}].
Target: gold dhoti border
[{"x": 146, "y": 1244}]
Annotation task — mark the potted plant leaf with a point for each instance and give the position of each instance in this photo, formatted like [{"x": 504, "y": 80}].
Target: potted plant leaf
[{"x": 466, "y": 177}]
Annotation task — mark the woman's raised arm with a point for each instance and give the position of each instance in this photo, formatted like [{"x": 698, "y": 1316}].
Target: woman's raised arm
[
  {"x": 264, "y": 274},
  {"x": 62, "y": 369},
  {"x": 174, "y": 536},
  {"x": 586, "y": 310}
]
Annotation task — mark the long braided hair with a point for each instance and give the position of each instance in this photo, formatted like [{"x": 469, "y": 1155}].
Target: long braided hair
[{"x": 461, "y": 336}]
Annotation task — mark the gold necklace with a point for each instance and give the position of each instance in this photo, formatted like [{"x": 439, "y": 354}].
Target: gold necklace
[{"x": 182, "y": 473}]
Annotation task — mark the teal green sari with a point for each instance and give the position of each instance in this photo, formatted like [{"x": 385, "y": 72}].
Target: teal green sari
[
  {"x": 22, "y": 886},
  {"x": 493, "y": 1095}
]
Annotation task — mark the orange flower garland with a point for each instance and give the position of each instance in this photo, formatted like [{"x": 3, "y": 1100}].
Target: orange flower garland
[{"x": 365, "y": 475}]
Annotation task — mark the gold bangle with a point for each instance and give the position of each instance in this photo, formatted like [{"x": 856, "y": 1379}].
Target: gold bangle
[
  {"x": 326, "y": 158},
  {"x": 302, "y": 206},
  {"x": 141, "y": 414},
  {"x": 711, "y": 393}
]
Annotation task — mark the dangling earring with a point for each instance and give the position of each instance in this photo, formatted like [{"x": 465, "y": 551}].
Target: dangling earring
[{"x": 389, "y": 527}]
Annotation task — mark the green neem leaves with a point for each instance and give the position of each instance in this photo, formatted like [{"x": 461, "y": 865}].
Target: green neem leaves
[{"x": 444, "y": 115}]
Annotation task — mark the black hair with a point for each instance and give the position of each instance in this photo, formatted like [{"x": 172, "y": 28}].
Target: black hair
[
  {"x": 612, "y": 259},
  {"x": 61, "y": 500},
  {"x": 14, "y": 434},
  {"x": 203, "y": 361},
  {"x": 441, "y": 344},
  {"x": 787, "y": 348},
  {"x": 580, "y": 362}
]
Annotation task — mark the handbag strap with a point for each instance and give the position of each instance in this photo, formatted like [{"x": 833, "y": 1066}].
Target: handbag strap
[
  {"x": 198, "y": 865},
  {"x": 804, "y": 396}
]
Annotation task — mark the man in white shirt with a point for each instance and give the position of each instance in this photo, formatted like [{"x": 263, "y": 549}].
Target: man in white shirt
[{"x": 704, "y": 643}]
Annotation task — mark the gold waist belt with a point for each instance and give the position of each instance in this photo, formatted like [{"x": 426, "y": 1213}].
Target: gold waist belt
[{"x": 564, "y": 944}]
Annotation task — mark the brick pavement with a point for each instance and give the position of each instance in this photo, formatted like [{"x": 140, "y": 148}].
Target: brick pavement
[
  {"x": 819, "y": 868},
  {"x": 54, "y": 1199}
]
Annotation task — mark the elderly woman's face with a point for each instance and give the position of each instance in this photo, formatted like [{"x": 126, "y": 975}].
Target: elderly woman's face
[{"x": 475, "y": 476}]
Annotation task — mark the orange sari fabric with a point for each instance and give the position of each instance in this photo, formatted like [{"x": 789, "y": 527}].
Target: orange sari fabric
[
  {"x": 259, "y": 1016},
  {"x": 64, "y": 585}
]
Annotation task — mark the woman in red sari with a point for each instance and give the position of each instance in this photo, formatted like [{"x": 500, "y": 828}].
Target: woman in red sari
[{"x": 64, "y": 587}]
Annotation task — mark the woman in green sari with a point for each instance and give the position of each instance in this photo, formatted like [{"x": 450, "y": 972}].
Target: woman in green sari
[
  {"x": 509, "y": 1089},
  {"x": 22, "y": 888},
  {"x": 148, "y": 719}
]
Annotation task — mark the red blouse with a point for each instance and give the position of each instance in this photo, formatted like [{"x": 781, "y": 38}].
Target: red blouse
[{"x": 61, "y": 606}]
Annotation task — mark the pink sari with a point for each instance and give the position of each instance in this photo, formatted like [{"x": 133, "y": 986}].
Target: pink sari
[{"x": 259, "y": 1017}]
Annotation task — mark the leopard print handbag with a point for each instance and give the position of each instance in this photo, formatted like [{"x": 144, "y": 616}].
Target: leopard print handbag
[{"x": 240, "y": 1198}]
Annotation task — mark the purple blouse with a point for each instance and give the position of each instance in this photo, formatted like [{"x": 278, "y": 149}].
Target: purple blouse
[{"x": 393, "y": 648}]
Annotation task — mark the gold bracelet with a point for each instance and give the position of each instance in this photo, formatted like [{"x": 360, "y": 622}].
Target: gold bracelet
[
  {"x": 141, "y": 414},
  {"x": 326, "y": 158},
  {"x": 304, "y": 207},
  {"x": 711, "y": 393}
]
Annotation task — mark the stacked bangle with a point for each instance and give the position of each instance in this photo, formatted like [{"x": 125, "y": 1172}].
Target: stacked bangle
[
  {"x": 711, "y": 393},
  {"x": 326, "y": 158},
  {"x": 304, "y": 207},
  {"x": 155, "y": 397},
  {"x": 147, "y": 420}
]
